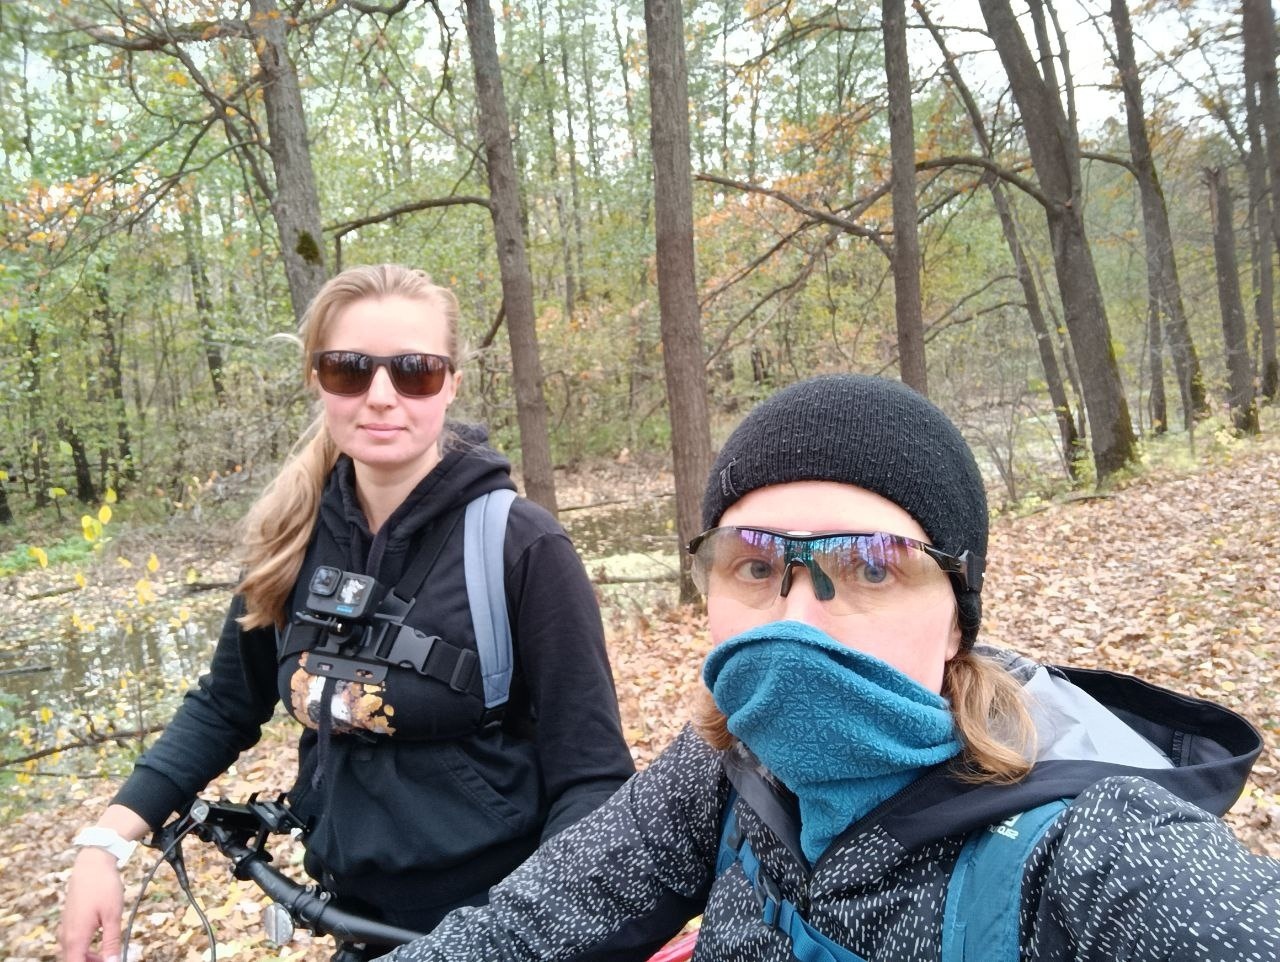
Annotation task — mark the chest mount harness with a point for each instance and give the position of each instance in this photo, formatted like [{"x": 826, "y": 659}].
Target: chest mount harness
[{"x": 354, "y": 630}]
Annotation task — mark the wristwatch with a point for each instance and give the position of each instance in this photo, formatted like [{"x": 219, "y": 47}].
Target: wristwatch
[{"x": 105, "y": 838}]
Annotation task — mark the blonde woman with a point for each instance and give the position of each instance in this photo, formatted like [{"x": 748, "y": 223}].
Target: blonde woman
[{"x": 419, "y": 797}]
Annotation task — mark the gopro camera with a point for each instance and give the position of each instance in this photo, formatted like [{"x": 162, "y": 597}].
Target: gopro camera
[
  {"x": 343, "y": 594},
  {"x": 355, "y": 628}
]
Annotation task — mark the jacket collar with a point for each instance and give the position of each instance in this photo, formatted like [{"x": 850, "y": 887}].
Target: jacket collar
[{"x": 1199, "y": 751}]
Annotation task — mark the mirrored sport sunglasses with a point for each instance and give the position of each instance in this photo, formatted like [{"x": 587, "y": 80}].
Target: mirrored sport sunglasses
[
  {"x": 348, "y": 373},
  {"x": 851, "y": 571}
]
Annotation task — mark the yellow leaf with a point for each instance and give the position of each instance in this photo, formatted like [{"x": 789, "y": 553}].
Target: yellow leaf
[
  {"x": 4, "y": 475},
  {"x": 91, "y": 527},
  {"x": 191, "y": 576},
  {"x": 153, "y": 563},
  {"x": 80, "y": 579},
  {"x": 177, "y": 77},
  {"x": 46, "y": 715},
  {"x": 56, "y": 492},
  {"x": 144, "y": 590},
  {"x": 42, "y": 559},
  {"x": 124, "y": 562},
  {"x": 104, "y": 513},
  {"x": 110, "y": 496}
]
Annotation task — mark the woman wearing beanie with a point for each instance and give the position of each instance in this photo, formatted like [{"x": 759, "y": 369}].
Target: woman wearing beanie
[{"x": 863, "y": 781}]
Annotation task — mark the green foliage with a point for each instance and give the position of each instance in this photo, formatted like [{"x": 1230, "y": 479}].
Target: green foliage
[
  {"x": 21, "y": 556},
  {"x": 139, "y": 249}
]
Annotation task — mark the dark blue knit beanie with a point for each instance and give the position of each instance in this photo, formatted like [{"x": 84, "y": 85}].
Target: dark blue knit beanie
[{"x": 870, "y": 432}]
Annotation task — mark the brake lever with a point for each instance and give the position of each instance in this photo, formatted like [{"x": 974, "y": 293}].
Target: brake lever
[{"x": 168, "y": 841}]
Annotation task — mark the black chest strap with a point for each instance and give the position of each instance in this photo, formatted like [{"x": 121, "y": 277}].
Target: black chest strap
[{"x": 388, "y": 641}]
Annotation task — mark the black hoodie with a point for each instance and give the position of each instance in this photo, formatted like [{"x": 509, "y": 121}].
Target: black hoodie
[{"x": 414, "y": 805}]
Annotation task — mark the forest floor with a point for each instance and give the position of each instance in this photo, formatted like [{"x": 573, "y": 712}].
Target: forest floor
[{"x": 1174, "y": 576}]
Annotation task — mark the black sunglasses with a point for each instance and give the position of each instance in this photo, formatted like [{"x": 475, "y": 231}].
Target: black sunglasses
[{"x": 348, "y": 373}]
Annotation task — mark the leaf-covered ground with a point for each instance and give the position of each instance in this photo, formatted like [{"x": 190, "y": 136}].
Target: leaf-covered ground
[{"x": 1175, "y": 577}]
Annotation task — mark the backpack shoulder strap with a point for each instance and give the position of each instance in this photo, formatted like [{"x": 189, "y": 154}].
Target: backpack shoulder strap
[
  {"x": 484, "y": 533},
  {"x": 981, "y": 915},
  {"x": 807, "y": 943}
]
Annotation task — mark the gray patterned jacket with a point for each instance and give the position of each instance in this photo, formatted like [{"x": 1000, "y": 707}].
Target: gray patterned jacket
[{"x": 1136, "y": 868}]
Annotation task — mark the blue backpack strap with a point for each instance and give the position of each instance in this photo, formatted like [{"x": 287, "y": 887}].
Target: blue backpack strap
[
  {"x": 730, "y": 839},
  {"x": 984, "y": 896},
  {"x": 484, "y": 533},
  {"x": 807, "y": 943}
]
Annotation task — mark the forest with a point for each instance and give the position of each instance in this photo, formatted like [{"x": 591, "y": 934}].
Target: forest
[
  {"x": 1057, "y": 221},
  {"x": 1054, "y": 217}
]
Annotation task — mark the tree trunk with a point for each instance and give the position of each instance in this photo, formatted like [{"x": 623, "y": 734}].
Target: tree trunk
[
  {"x": 587, "y": 65},
  {"x": 192, "y": 233},
  {"x": 553, "y": 168},
  {"x": 1111, "y": 431},
  {"x": 123, "y": 466},
  {"x": 682, "y": 349},
  {"x": 1072, "y": 447},
  {"x": 295, "y": 203},
  {"x": 513, "y": 259},
  {"x": 1163, "y": 287},
  {"x": 38, "y": 475},
  {"x": 1157, "y": 404},
  {"x": 1240, "y": 397},
  {"x": 575, "y": 194},
  {"x": 86, "y": 493},
  {"x": 906, "y": 238},
  {"x": 1260, "y": 80},
  {"x": 1260, "y": 245},
  {"x": 1260, "y": 52},
  {"x": 620, "y": 44}
]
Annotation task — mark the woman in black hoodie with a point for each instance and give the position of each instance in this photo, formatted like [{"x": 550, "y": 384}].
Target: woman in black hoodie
[{"x": 420, "y": 794}]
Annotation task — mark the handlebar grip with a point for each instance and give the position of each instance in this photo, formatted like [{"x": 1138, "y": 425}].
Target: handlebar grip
[{"x": 312, "y": 910}]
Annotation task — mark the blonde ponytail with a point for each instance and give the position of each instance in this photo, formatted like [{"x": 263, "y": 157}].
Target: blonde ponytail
[{"x": 278, "y": 528}]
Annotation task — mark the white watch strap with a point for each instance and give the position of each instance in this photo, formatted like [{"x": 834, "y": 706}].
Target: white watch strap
[{"x": 105, "y": 838}]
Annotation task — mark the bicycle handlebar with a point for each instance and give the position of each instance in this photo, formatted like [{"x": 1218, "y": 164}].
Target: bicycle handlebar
[
  {"x": 229, "y": 827},
  {"x": 305, "y": 905},
  {"x": 240, "y": 831}
]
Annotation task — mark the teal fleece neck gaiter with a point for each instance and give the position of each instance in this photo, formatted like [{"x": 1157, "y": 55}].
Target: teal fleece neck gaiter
[{"x": 842, "y": 730}]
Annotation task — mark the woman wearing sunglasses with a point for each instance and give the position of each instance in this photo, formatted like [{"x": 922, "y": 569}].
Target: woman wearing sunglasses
[
  {"x": 419, "y": 797},
  {"x": 860, "y": 767}
]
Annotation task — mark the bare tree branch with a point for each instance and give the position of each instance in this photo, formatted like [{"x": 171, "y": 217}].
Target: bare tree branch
[
  {"x": 827, "y": 217},
  {"x": 974, "y": 160},
  {"x": 1110, "y": 159},
  {"x": 346, "y": 227}
]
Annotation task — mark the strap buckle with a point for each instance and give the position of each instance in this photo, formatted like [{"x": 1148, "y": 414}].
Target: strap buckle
[
  {"x": 464, "y": 670},
  {"x": 768, "y": 897},
  {"x": 733, "y": 838}
]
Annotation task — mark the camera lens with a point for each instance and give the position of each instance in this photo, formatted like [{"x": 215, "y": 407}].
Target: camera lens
[{"x": 324, "y": 581}]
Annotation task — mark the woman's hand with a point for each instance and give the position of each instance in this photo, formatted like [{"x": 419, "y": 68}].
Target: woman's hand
[
  {"x": 94, "y": 903},
  {"x": 95, "y": 894}
]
